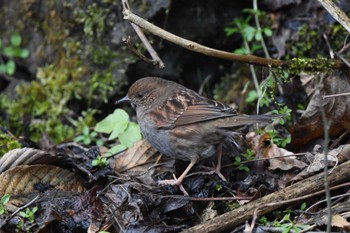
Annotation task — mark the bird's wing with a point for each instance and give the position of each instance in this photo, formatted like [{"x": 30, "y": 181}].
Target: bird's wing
[{"x": 186, "y": 107}]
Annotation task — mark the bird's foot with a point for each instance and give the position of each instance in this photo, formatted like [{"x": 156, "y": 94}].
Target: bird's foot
[
  {"x": 169, "y": 182},
  {"x": 173, "y": 182},
  {"x": 214, "y": 171}
]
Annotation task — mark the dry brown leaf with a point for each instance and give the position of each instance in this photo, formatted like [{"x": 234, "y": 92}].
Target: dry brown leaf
[
  {"x": 267, "y": 149},
  {"x": 339, "y": 221},
  {"x": 27, "y": 178},
  {"x": 337, "y": 109},
  {"x": 24, "y": 156},
  {"x": 335, "y": 156},
  {"x": 286, "y": 163},
  {"x": 141, "y": 153}
]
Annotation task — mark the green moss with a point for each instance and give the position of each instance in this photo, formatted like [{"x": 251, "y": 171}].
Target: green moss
[
  {"x": 297, "y": 65},
  {"x": 7, "y": 143}
]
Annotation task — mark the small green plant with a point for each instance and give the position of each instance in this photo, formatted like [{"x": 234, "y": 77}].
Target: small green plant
[
  {"x": 263, "y": 220},
  {"x": 218, "y": 187},
  {"x": 20, "y": 226},
  {"x": 3, "y": 201},
  {"x": 253, "y": 96},
  {"x": 248, "y": 156},
  {"x": 88, "y": 137},
  {"x": 100, "y": 161},
  {"x": 286, "y": 112},
  {"x": 288, "y": 224},
  {"x": 119, "y": 126},
  {"x": 278, "y": 140},
  {"x": 29, "y": 213},
  {"x": 252, "y": 36},
  {"x": 13, "y": 50}
]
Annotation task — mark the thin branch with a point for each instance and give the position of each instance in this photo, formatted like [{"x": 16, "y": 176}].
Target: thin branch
[
  {"x": 128, "y": 42},
  {"x": 196, "y": 47},
  {"x": 141, "y": 35},
  {"x": 335, "y": 95},
  {"x": 325, "y": 152},
  {"x": 257, "y": 23},
  {"x": 292, "y": 200},
  {"x": 336, "y": 13},
  {"x": 193, "y": 46}
]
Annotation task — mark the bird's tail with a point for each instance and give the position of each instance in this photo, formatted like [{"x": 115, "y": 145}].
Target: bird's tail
[{"x": 241, "y": 120}]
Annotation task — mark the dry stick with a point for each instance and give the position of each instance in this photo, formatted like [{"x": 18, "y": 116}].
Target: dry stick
[
  {"x": 193, "y": 46},
  {"x": 256, "y": 211},
  {"x": 325, "y": 152},
  {"x": 336, "y": 13},
  {"x": 312, "y": 184},
  {"x": 141, "y": 35}
]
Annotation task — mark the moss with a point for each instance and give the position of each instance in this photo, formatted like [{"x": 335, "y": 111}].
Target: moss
[
  {"x": 78, "y": 78},
  {"x": 7, "y": 143},
  {"x": 297, "y": 65}
]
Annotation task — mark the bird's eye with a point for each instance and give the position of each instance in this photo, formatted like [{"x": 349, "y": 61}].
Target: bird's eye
[{"x": 140, "y": 95}]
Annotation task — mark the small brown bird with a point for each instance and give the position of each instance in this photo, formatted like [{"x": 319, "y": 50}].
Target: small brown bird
[{"x": 182, "y": 124}]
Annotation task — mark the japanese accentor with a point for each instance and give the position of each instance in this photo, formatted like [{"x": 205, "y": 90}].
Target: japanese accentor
[{"x": 182, "y": 124}]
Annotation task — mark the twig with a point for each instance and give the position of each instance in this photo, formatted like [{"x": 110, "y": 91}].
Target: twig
[
  {"x": 335, "y": 95},
  {"x": 128, "y": 42},
  {"x": 325, "y": 152},
  {"x": 193, "y": 46},
  {"x": 336, "y": 13},
  {"x": 342, "y": 58},
  {"x": 257, "y": 23},
  {"x": 141, "y": 35},
  {"x": 256, "y": 211},
  {"x": 196, "y": 47},
  {"x": 20, "y": 209},
  {"x": 229, "y": 220}
]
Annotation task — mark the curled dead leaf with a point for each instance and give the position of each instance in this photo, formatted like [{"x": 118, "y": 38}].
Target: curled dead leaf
[
  {"x": 279, "y": 158},
  {"x": 25, "y": 156},
  {"x": 310, "y": 125},
  {"x": 335, "y": 156},
  {"x": 30, "y": 178}
]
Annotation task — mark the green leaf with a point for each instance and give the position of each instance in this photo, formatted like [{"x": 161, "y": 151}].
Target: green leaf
[
  {"x": 118, "y": 129},
  {"x": 5, "y": 199},
  {"x": 9, "y": 51},
  {"x": 16, "y": 40},
  {"x": 252, "y": 96},
  {"x": 248, "y": 33},
  {"x": 231, "y": 31},
  {"x": 87, "y": 141},
  {"x": 108, "y": 124},
  {"x": 24, "y": 53},
  {"x": 116, "y": 149},
  {"x": 0, "y": 43},
  {"x": 267, "y": 32},
  {"x": 23, "y": 214},
  {"x": 79, "y": 138},
  {"x": 258, "y": 35},
  {"x": 241, "y": 51},
  {"x": 86, "y": 130},
  {"x": 10, "y": 67},
  {"x": 131, "y": 135}
]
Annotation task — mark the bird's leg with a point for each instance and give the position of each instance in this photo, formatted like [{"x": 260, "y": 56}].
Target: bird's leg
[
  {"x": 179, "y": 180},
  {"x": 217, "y": 168},
  {"x": 218, "y": 165}
]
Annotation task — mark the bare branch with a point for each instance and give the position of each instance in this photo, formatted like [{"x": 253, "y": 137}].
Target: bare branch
[
  {"x": 141, "y": 35},
  {"x": 196, "y": 47}
]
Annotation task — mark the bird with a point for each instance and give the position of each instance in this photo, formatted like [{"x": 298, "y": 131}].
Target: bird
[{"x": 182, "y": 124}]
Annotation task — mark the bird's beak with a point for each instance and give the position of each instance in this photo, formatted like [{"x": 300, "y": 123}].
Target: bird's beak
[{"x": 125, "y": 99}]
